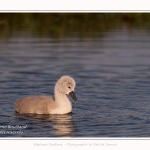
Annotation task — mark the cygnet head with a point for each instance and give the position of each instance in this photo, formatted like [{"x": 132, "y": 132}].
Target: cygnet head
[{"x": 66, "y": 85}]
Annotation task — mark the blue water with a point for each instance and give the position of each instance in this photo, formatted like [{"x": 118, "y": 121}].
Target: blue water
[{"x": 112, "y": 72}]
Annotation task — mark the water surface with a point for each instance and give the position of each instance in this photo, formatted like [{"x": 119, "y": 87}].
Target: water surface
[{"x": 113, "y": 83}]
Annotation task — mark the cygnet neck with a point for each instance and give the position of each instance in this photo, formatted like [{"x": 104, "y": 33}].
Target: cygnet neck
[{"x": 61, "y": 98}]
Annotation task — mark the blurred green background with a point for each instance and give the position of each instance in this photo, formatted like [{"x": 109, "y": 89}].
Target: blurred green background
[{"x": 62, "y": 24}]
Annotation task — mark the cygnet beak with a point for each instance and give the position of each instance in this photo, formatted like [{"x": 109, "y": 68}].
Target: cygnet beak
[{"x": 73, "y": 96}]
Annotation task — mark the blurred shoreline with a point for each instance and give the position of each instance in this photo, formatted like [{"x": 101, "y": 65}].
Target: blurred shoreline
[{"x": 61, "y": 24}]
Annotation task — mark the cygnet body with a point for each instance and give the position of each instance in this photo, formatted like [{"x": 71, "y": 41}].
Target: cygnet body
[{"x": 60, "y": 104}]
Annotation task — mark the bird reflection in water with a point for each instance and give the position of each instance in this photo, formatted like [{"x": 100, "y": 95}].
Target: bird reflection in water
[
  {"x": 53, "y": 125},
  {"x": 63, "y": 125}
]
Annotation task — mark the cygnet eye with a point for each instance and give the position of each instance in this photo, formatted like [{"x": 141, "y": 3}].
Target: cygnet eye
[{"x": 69, "y": 87}]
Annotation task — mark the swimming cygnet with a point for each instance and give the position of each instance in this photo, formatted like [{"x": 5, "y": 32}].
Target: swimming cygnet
[{"x": 46, "y": 104}]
